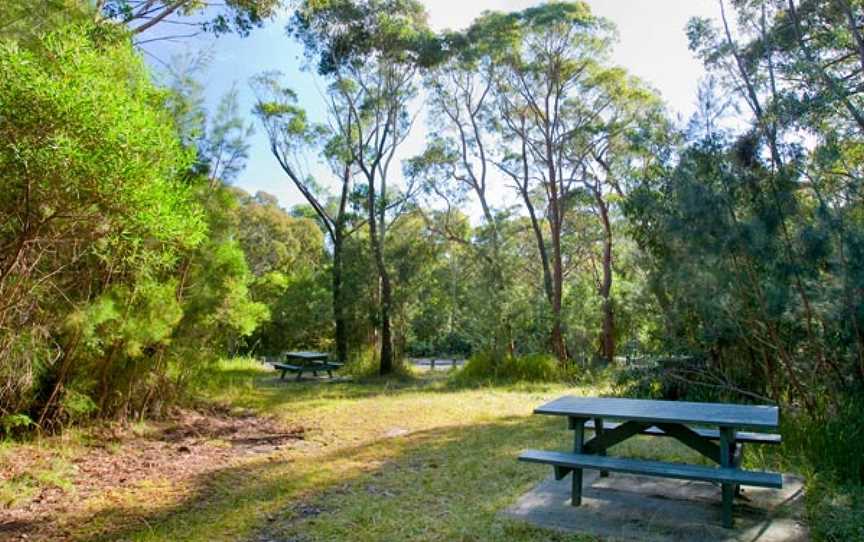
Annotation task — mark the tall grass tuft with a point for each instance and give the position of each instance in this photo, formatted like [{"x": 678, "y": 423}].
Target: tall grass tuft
[{"x": 527, "y": 368}]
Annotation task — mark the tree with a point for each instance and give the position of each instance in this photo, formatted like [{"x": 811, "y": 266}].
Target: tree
[
  {"x": 25, "y": 20},
  {"x": 292, "y": 139},
  {"x": 458, "y": 163},
  {"x": 94, "y": 216},
  {"x": 549, "y": 91},
  {"x": 754, "y": 227},
  {"x": 287, "y": 257},
  {"x": 371, "y": 51},
  {"x": 239, "y": 16},
  {"x": 611, "y": 151}
]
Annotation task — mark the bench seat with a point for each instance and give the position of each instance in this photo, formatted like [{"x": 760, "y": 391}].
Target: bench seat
[
  {"x": 713, "y": 434},
  {"x": 564, "y": 462},
  {"x": 314, "y": 368},
  {"x": 287, "y": 367}
]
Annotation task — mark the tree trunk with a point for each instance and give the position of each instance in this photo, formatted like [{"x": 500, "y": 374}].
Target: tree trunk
[
  {"x": 376, "y": 241},
  {"x": 541, "y": 248},
  {"x": 607, "y": 335},
  {"x": 386, "y": 338},
  {"x": 338, "y": 304},
  {"x": 555, "y": 222},
  {"x": 558, "y": 345}
]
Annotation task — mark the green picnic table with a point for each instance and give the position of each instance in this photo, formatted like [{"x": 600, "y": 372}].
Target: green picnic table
[
  {"x": 712, "y": 429},
  {"x": 305, "y": 361}
]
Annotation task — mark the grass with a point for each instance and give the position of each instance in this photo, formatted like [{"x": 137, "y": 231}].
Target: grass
[
  {"x": 422, "y": 457},
  {"x": 415, "y": 458},
  {"x": 45, "y": 471}
]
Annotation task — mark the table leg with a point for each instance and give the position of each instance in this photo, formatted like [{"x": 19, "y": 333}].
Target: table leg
[
  {"x": 737, "y": 459},
  {"x": 727, "y": 447},
  {"x": 598, "y": 431},
  {"x": 578, "y": 426}
]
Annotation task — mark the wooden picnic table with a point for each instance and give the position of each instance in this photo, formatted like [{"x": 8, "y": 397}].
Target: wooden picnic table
[
  {"x": 696, "y": 425},
  {"x": 301, "y": 361}
]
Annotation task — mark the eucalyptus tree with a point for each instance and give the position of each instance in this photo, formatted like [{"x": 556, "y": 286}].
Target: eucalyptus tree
[
  {"x": 545, "y": 83},
  {"x": 620, "y": 115},
  {"x": 371, "y": 51},
  {"x": 192, "y": 17},
  {"x": 295, "y": 141},
  {"x": 457, "y": 166}
]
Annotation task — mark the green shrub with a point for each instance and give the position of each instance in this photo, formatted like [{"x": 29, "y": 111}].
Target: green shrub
[
  {"x": 77, "y": 406},
  {"x": 364, "y": 363},
  {"x": 479, "y": 366},
  {"x": 531, "y": 368},
  {"x": 832, "y": 447},
  {"x": 835, "y": 512},
  {"x": 11, "y": 422},
  {"x": 527, "y": 368}
]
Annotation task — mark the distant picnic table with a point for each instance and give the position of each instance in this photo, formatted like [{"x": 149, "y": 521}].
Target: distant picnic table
[
  {"x": 662, "y": 418},
  {"x": 306, "y": 361}
]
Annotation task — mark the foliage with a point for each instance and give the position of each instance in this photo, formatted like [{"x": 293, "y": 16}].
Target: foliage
[
  {"x": 92, "y": 209},
  {"x": 525, "y": 368},
  {"x": 12, "y": 422},
  {"x": 25, "y": 20},
  {"x": 754, "y": 238},
  {"x": 239, "y": 16},
  {"x": 722, "y": 259}
]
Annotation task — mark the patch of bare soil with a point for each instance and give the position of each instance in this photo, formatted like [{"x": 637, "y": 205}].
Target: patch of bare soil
[{"x": 188, "y": 444}]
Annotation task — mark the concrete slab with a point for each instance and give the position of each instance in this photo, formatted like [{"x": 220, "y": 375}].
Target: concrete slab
[{"x": 628, "y": 507}]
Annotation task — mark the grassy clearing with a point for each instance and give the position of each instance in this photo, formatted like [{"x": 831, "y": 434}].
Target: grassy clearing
[{"x": 416, "y": 458}]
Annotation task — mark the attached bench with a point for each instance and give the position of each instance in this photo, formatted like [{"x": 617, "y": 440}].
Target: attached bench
[
  {"x": 683, "y": 421},
  {"x": 564, "y": 463},
  {"x": 711, "y": 434},
  {"x": 329, "y": 367}
]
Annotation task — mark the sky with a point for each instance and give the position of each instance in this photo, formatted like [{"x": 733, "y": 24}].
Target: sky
[{"x": 652, "y": 45}]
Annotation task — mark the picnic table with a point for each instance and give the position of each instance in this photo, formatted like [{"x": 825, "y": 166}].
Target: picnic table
[
  {"x": 300, "y": 361},
  {"x": 712, "y": 429}
]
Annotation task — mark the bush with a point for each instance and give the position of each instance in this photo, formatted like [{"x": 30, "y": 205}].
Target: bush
[
  {"x": 450, "y": 345},
  {"x": 364, "y": 363},
  {"x": 92, "y": 190},
  {"x": 527, "y": 368},
  {"x": 479, "y": 366},
  {"x": 835, "y": 512},
  {"x": 12, "y": 422}
]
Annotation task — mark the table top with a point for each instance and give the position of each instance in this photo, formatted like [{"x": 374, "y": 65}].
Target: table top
[
  {"x": 714, "y": 414},
  {"x": 306, "y": 355}
]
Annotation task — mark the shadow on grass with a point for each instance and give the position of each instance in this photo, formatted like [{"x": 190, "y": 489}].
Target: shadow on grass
[{"x": 390, "y": 489}]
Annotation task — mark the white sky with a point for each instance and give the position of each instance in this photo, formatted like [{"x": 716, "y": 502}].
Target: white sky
[{"x": 652, "y": 45}]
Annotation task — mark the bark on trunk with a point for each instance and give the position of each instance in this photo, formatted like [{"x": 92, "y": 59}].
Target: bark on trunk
[
  {"x": 338, "y": 244},
  {"x": 386, "y": 334},
  {"x": 555, "y": 222},
  {"x": 376, "y": 241},
  {"x": 607, "y": 335},
  {"x": 338, "y": 305}
]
